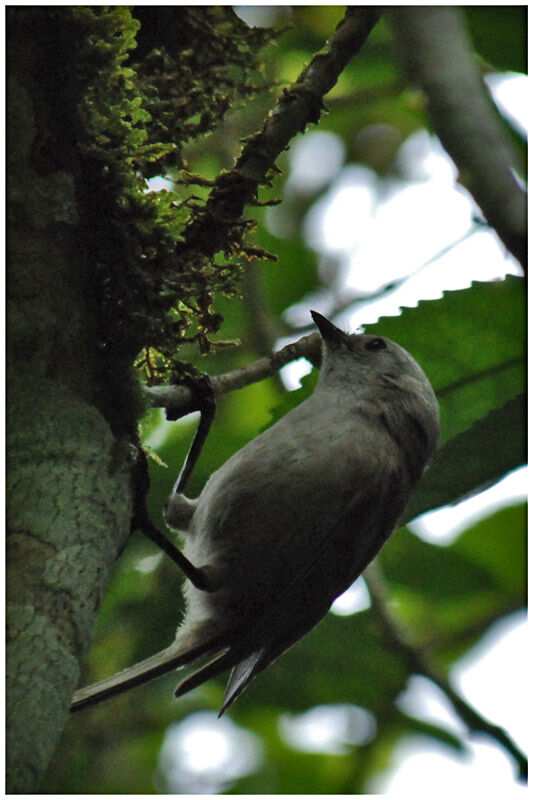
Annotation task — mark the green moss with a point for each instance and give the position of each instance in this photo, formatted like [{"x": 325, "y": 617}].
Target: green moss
[{"x": 132, "y": 120}]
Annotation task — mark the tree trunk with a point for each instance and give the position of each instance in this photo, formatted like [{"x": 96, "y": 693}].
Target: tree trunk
[{"x": 69, "y": 471}]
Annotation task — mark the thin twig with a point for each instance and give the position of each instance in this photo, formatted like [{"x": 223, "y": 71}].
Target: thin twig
[
  {"x": 298, "y": 106},
  {"x": 419, "y": 662},
  {"x": 179, "y": 397}
]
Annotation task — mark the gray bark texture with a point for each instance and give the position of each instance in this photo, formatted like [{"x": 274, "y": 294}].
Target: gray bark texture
[
  {"x": 68, "y": 475},
  {"x": 68, "y": 507}
]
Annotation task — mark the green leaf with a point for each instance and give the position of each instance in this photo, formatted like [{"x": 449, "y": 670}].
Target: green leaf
[
  {"x": 434, "y": 572},
  {"x": 499, "y": 35},
  {"x": 292, "y": 399},
  {"x": 498, "y": 543},
  {"x": 449, "y": 595},
  {"x": 470, "y": 344},
  {"x": 293, "y": 276},
  {"x": 473, "y": 460}
]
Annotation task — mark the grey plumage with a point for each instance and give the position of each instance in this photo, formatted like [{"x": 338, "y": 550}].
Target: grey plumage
[{"x": 289, "y": 522}]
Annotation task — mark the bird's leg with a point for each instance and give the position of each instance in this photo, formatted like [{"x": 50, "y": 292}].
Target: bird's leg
[
  {"x": 203, "y": 400},
  {"x": 195, "y": 575}
]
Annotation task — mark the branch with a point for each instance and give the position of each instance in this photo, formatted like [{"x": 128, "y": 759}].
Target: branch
[
  {"x": 418, "y": 661},
  {"x": 178, "y": 398},
  {"x": 434, "y": 46},
  {"x": 207, "y": 233}
]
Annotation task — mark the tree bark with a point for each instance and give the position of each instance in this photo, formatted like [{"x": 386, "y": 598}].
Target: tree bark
[
  {"x": 68, "y": 476},
  {"x": 68, "y": 511}
]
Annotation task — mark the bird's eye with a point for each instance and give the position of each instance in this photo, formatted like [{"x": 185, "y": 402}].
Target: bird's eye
[{"x": 376, "y": 344}]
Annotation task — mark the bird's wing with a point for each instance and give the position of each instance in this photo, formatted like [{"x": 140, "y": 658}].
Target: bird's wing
[
  {"x": 307, "y": 598},
  {"x": 343, "y": 548}
]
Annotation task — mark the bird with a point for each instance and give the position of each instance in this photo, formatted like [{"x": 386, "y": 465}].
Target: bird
[{"x": 290, "y": 521}]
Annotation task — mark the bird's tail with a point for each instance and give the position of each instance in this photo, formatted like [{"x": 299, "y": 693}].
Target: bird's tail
[
  {"x": 165, "y": 661},
  {"x": 243, "y": 670}
]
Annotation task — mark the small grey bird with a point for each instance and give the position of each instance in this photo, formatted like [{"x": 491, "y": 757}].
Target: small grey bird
[{"x": 290, "y": 521}]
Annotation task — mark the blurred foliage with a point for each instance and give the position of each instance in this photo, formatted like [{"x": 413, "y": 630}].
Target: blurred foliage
[
  {"x": 499, "y": 36},
  {"x": 470, "y": 343}
]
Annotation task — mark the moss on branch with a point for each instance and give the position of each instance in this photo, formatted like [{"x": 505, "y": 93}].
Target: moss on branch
[{"x": 159, "y": 258}]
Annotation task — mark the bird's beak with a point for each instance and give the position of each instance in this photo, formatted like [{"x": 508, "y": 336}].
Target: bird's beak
[{"x": 328, "y": 331}]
